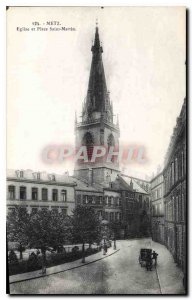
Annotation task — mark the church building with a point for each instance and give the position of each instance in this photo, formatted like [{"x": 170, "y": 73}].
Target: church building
[{"x": 116, "y": 198}]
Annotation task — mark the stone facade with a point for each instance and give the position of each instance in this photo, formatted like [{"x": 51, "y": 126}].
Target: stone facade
[
  {"x": 35, "y": 190},
  {"x": 175, "y": 195},
  {"x": 158, "y": 210}
]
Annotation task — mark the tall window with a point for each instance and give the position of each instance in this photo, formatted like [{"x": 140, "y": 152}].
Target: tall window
[
  {"x": 173, "y": 173},
  {"x": 160, "y": 193},
  {"x": 34, "y": 193},
  {"x": 90, "y": 199},
  {"x": 54, "y": 195},
  {"x": 64, "y": 195},
  {"x": 117, "y": 216},
  {"x": 22, "y": 192},
  {"x": 11, "y": 192},
  {"x": 85, "y": 199},
  {"x": 78, "y": 198},
  {"x": 177, "y": 208},
  {"x": 44, "y": 194},
  {"x": 183, "y": 206},
  {"x": 176, "y": 169},
  {"x": 111, "y": 216},
  {"x": 182, "y": 163},
  {"x": 88, "y": 142},
  {"x": 109, "y": 201},
  {"x": 111, "y": 142}
]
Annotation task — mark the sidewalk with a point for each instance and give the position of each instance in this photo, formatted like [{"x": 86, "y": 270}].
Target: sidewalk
[
  {"x": 170, "y": 276},
  {"x": 61, "y": 268}
]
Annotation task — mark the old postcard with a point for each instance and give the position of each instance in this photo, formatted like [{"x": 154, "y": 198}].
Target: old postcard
[{"x": 96, "y": 150}]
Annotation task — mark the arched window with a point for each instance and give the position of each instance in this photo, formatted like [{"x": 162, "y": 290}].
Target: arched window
[
  {"x": 88, "y": 142},
  {"x": 110, "y": 140},
  {"x": 110, "y": 143}
]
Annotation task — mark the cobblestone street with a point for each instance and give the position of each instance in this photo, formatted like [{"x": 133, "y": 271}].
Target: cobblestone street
[{"x": 117, "y": 274}]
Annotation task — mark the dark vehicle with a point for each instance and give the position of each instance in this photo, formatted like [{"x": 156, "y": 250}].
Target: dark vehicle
[{"x": 145, "y": 257}]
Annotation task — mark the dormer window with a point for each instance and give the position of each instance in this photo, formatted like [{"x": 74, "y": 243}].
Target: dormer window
[
  {"x": 36, "y": 175},
  {"x": 52, "y": 177}
]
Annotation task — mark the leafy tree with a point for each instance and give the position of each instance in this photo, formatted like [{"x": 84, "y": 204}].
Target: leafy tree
[
  {"x": 85, "y": 226},
  {"x": 46, "y": 229},
  {"x": 16, "y": 228}
]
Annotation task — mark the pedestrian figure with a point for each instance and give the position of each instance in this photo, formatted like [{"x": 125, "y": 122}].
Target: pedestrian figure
[
  {"x": 104, "y": 249},
  {"x": 154, "y": 256},
  {"x": 149, "y": 263},
  {"x": 43, "y": 270}
]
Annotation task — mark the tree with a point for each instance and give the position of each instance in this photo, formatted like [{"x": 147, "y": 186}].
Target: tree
[
  {"x": 16, "y": 228},
  {"x": 85, "y": 226},
  {"x": 46, "y": 229}
]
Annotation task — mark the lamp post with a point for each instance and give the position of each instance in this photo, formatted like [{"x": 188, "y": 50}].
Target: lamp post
[{"x": 114, "y": 245}]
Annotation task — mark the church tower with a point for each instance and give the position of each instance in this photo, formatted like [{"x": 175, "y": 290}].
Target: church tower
[{"x": 97, "y": 126}]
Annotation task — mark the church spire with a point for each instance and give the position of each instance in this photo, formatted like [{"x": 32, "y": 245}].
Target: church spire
[
  {"x": 97, "y": 100},
  {"x": 96, "y": 45}
]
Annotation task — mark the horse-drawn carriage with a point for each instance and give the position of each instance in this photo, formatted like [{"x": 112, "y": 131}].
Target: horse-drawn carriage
[{"x": 145, "y": 258}]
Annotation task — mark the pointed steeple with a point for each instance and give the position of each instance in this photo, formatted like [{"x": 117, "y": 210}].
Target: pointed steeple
[{"x": 97, "y": 95}]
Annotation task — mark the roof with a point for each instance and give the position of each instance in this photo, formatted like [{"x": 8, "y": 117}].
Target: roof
[
  {"x": 83, "y": 185},
  {"x": 32, "y": 176},
  {"x": 136, "y": 186}
]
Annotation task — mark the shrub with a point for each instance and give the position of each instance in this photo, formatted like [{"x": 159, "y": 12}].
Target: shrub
[
  {"x": 13, "y": 258},
  {"x": 33, "y": 262},
  {"x": 54, "y": 259},
  {"x": 75, "y": 249},
  {"x": 90, "y": 251}
]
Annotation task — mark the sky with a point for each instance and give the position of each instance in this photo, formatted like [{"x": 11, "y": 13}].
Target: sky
[{"x": 48, "y": 72}]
